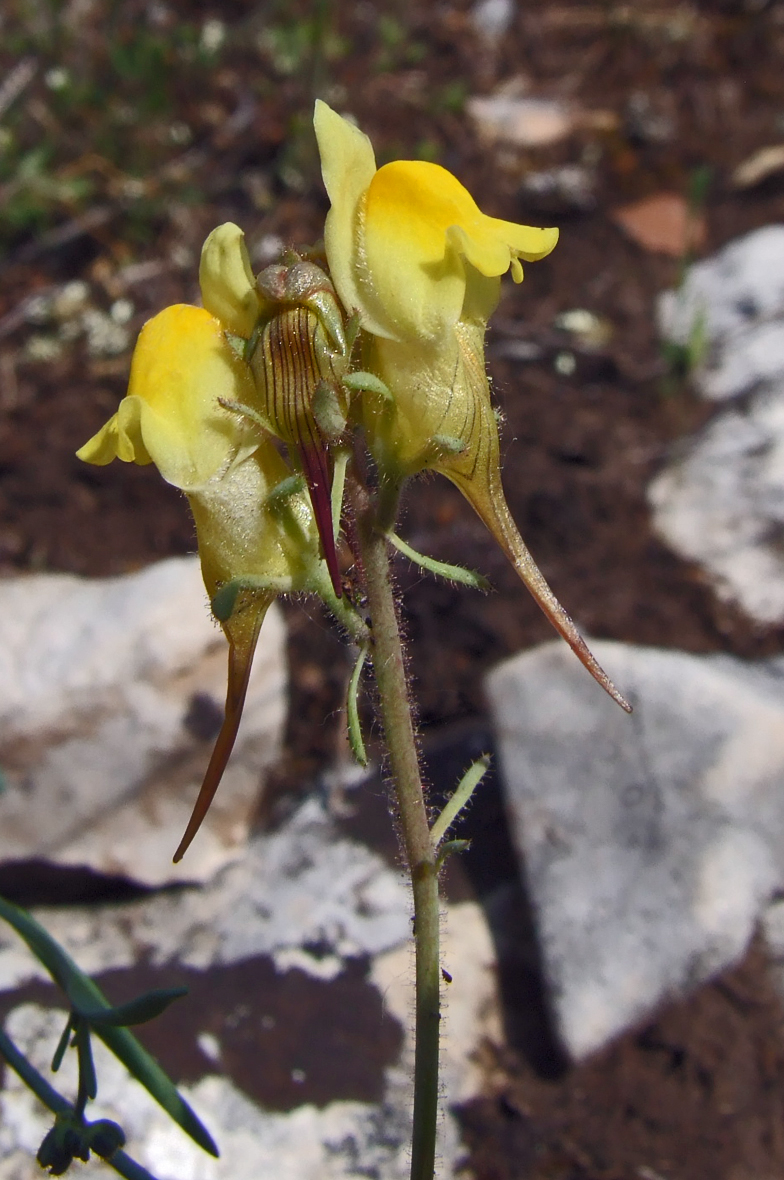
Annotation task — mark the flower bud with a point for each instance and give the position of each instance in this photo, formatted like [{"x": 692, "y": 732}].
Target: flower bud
[
  {"x": 228, "y": 289},
  {"x": 298, "y": 363}
]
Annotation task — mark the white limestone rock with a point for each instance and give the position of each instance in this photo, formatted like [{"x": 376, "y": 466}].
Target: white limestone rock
[
  {"x": 97, "y": 681},
  {"x": 737, "y": 299},
  {"x": 254, "y": 1144},
  {"x": 720, "y": 502},
  {"x": 302, "y": 886},
  {"x": 651, "y": 843},
  {"x": 720, "y": 499},
  {"x": 298, "y": 887}
]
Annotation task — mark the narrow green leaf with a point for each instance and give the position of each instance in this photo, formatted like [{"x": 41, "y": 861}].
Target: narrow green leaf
[
  {"x": 137, "y": 1011},
  {"x": 328, "y": 411},
  {"x": 463, "y": 792},
  {"x": 352, "y": 710},
  {"x": 34, "y": 1081},
  {"x": 292, "y": 485},
  {"x": 146, "y": 1070},
  {"x": 62, "y": 1045},
  {"x": 454, "y": 573},
  {"x": 352, "y": 331},
  {"x": 250, "y": 346},
  {"x": 248, "y": 412},
  {"x": 88, "y": 1079},
  {"x": 60, "y": 966},
  {"x": 127, "y": 1167}
]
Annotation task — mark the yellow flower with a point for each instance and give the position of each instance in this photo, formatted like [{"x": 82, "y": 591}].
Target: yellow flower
[
  {"x": 172, "y": 416},
  {"x": 418, "y": 262},
  {"x": 407, "y": 244}
]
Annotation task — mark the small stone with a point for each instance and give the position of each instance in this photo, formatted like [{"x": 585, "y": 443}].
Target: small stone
[
  {"x": 517, "y": 350},
  {"x": 650, "y": 844},
  {"x": 523, "y": 121},
  {"x": 645, "y": 122},
  {"x": 565, "y": 363},
  {"x": 590, "y": 330},
  {"x": 38, "y": 308},
  {"x": 122, "y": 311},
  {"x": 105, "y": 337},
  {"x": 42, "y": 348},
  {"x": 570, "y": 188},
  {"x": 492, "y": 19},
  {"x": 213, "y": 35},
  {"x": 663, "y": 224},
  {"x": 70, "y": 300},
  {"x": 759, "y": 167},
  {"x": 57, "y": 78}
]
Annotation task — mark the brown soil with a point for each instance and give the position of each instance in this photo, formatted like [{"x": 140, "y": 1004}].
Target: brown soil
[{"x": 699, "y": 1092}]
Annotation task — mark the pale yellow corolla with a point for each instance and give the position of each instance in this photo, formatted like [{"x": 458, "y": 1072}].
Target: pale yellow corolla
[
  {"x": 183, "y": 412},
  {"x": 415, "y": 259}
]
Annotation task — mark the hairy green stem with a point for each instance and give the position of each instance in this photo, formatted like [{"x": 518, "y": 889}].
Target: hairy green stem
[{"x": 390, "y": 675}]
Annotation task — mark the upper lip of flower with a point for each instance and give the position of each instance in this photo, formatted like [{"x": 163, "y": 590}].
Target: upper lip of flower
[
  {"x": 228, "y": 288},
  {"x": 403, "y": 240}
]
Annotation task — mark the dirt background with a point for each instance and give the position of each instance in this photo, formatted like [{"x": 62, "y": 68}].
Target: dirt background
[{"x": 130, "y": 130}]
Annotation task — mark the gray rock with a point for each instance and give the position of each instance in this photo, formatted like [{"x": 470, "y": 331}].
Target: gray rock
[
  {"x": 297, "y": 888},
  {"x": 102, "y": 686},
  {"x": 650, "y": 119},
  {"x": 737, "y": 299},
  {"x": 720, "y": 502},
  {"x": 312, "y": 900},
  {"x": 651, "y": 843},
  {"x": 336, "y": 1141},
  {"x": 720, "y": 499}
]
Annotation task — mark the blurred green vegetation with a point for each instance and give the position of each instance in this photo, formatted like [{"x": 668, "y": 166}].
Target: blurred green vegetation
[
  {"x": 130, "y": 103},
  {"x": 90, "y": 103}
]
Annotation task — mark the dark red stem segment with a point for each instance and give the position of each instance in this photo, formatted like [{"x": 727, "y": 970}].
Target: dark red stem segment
[{"x": 315, "y": 465}]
